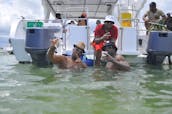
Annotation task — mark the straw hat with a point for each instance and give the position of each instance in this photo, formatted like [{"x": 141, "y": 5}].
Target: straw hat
[{"x": 80, "y": 45}]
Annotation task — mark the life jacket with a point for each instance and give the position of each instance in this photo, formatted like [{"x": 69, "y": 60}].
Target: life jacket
[{"x": 98, "y": 46}]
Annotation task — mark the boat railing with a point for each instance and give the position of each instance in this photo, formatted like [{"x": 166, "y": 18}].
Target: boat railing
[
  {"x": 140, "y": 34},
  {"x": 52, "y": 22},
  {"x": 137, "y": 24}
]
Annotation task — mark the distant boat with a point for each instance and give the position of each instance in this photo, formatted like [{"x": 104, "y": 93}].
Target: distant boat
[{"x": 5, "y": 45}]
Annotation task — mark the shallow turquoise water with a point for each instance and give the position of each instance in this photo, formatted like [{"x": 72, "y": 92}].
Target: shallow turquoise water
[{"x": 27, "y": 89}]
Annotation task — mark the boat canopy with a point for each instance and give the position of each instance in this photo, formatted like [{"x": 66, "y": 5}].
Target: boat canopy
[
  {"x": 94, "y": 8},
  {"x": 74, "y": 8}
]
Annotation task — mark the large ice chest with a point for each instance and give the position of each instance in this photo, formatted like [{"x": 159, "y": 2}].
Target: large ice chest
[
  {"x": 37, "y": 44},
  {"x": 39, "y": 38},
  {"x": 160, "y": 43}
]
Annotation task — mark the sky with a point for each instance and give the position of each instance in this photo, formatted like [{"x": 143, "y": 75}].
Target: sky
[
  {"x": 13, "y": 9},
  {"x": 32, "y": 9}
]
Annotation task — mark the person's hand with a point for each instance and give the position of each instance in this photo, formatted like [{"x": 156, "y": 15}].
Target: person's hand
[
  {"x": 54, "y": 42},
  {"x": 146, "y": 19},
  {"x": 106, "y": 36},
  {"x": 105, "y": 53}
]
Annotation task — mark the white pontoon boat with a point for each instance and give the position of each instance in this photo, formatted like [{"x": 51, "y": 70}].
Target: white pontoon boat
[{"x": 125, "y": 11}]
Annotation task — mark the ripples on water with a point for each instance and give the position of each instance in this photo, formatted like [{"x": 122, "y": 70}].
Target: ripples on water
[{"x": 27, "y": 89}]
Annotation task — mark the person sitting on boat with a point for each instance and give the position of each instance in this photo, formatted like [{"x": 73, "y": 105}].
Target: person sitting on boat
[
  {"x": 112, "y": 60},
  {"x": 82, "y": 21},
  {"x": 98, "y": 22},
  {"x": 58, "y": 18},
  {"x": 168, "y": 22},
  {"x": 104, "y": 32},
  {"x": 71, "y": 22},
  {"x": 67, "y": 62},
  {"x": 153, "y": 15}
]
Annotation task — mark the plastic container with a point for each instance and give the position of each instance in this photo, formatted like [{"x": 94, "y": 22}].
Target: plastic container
[
  {"x": 160, "y": 43},
  {"x": 126, "y": 19},
  {"x": 159, "y": 46},
  {"x": 89, "y": 62},
  {"x": 39, "y": 38},
  {"x": 37, "y": 44}
]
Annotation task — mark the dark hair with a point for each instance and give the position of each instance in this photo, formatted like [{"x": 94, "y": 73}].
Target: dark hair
[
  {"x": 58, "y": 16},
  {"x": 168, "y": 14},
  {"x": 152, "y": 4},
  {"x": 81, "y": 19},
  {"x": 98, "y": 22},
  {"x": 109, "y": 44}
]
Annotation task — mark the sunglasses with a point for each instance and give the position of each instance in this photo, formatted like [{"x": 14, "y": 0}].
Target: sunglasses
[{"x": 78, "y": 50}]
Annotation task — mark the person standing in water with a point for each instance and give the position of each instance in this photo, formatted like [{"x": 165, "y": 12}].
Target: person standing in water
[
  {"x": 67, "y": 62},
  {"x": 112, "y": 60}
]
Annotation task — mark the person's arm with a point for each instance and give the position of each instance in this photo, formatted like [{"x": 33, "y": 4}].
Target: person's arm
[
  {"x": 56, "y": 59},
  {"x": 114, "y": 34},
  {"x": 145, "y": 16},
  {"x": 100, "y": 39},
  {"x": 146, "y": 20},
  {"x": 162, "y": 15},
  {"x": 123, "y": 66}
]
